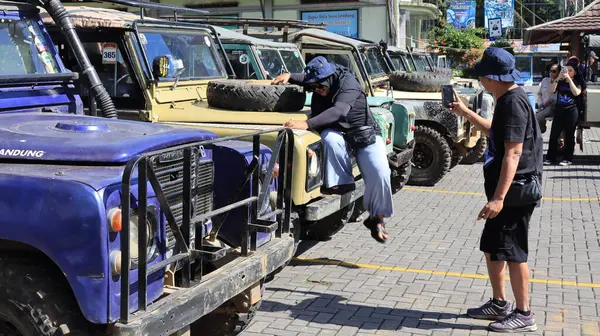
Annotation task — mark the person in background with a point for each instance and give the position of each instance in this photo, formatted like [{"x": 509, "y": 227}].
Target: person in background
[
  {"x": 568, "y": 87},
  {"x": 338, "y": 108},
  {"x": 546, "y": 98},
  {"x": 515, "y": 150}
]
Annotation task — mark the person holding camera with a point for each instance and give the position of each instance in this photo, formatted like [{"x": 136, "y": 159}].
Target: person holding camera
[
  {"x": 567, "y": 88},
  {"x": 512, "y": 180},
  {"x": 340, "y": 113},
  {"x": 545, "y": 97}
]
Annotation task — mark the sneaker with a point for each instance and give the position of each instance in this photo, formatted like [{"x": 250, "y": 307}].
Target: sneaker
[
  {"x": 490, "y": 311},
  {"x": 547, "y": 162},
  {"x": 565, "y": 163},
  {"x": 516, "y": 322}
]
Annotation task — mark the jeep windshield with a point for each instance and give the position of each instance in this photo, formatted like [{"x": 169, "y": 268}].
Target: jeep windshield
[
  {"x": 271, "y": 61},
  {"x": 25, "y": 49},
  {"x": 373, "y": 62},
  {"x": 194, "y": 48},
  {"x": 421, "y": 63},
  {"x": 293, "y": 60},
  {"x": 401, "y": 62}
]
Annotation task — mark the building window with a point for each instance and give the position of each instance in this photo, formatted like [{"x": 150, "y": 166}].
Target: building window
[{"x": 342, "y": 22}]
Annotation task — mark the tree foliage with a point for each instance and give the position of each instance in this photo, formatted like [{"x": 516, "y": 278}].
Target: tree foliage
[{"x": 462, "y": 46}]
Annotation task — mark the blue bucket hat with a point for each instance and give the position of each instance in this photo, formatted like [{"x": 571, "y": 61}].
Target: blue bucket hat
[
  {"x": 317, "y": 70},
  {"x": 497, "y": 64}
]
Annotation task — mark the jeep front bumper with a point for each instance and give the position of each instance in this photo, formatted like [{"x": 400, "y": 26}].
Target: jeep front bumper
[
  {"x": 401, "y": 156},
  {"x": 184, "y": 306}
]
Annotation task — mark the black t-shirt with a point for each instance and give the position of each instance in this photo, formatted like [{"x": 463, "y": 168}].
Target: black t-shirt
[{"x": 512, "y": 122}]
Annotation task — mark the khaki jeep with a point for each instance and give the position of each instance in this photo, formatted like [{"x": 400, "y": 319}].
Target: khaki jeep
[{"x": 135, "y": 60}]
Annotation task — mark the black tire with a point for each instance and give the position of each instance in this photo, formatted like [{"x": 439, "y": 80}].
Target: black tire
[
  {"x": 458, "y": 153},
  {"x": 443, "y": 71},
  {"x": 400, "y": 176},
  {"x": 324, "y": 229},
  {"x": 476, "y": 153},
  {"x": 36, "y": 301},
  {"x": 418, "y": 81},
  {"x": 359, "y": 213},
  {"x": 432, "y": 157},
  {"x": 241, "y": 95},
  {"x": 226, "y": 324}
]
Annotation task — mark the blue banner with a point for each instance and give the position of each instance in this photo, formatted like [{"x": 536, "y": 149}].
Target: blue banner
[
  {"x": 343, "y": 22},
  {"x": 461, "y": 13},
  {"x": 503, "y": 9}
]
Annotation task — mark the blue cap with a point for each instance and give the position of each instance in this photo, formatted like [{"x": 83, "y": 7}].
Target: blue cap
[
  {"x": 497, "y": 64},
  {"x": 317, "y": 70}
]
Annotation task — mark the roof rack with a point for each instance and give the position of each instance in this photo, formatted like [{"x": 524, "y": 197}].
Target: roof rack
[
  {"x": 153, "y": 5},
  {"x": 245, "y": 23}
]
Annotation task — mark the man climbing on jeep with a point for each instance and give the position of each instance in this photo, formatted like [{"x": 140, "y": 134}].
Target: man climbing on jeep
[{"x": 339, "y": 111}]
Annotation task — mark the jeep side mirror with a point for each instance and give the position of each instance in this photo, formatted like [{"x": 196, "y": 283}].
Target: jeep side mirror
[{"x": 166, "y": 66}]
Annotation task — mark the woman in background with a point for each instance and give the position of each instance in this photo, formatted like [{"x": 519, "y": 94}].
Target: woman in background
[{"x": 567, "y": 88}]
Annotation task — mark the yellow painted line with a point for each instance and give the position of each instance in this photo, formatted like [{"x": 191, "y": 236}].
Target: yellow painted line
[
  {"x": 447, "y": 274},
  {"x": 441, "y": 191}
]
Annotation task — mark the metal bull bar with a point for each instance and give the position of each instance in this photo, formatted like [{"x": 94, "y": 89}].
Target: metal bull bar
[{"x": 282, "y": 153}]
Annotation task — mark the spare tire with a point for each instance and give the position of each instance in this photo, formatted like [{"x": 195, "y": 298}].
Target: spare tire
[
  {"x": 444, "y": 71},
  {"x": 247, "y": 95},
  {"x": 418, "y": 81}
]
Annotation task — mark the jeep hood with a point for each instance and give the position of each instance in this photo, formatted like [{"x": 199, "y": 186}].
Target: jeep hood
[{"x": 71, "y": 138}]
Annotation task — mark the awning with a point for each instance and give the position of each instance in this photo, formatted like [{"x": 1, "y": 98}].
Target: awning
[{"x": 559, "y": 31}]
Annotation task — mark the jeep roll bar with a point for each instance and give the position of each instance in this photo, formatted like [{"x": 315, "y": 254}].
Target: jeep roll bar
[
  {"x": 245, "y": 23},
  {"x": 152, "y": 5},
  {"x": 185, "y": 253}
]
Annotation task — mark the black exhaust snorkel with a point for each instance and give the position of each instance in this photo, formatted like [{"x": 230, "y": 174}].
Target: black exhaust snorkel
[{"x": 61, "y": 17}]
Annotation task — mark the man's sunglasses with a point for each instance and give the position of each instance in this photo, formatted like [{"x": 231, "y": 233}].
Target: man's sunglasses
[
  {"x": 314, "y": 86},
  {"x": 554, "y": 71}
]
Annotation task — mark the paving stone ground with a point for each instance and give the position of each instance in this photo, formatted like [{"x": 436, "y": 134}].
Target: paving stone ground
[{"x": 432, "y": 269}]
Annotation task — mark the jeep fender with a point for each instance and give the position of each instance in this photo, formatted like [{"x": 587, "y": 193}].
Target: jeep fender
[
  {"x": 65, "y": 220},
  {"x": 232, "y": 160}
]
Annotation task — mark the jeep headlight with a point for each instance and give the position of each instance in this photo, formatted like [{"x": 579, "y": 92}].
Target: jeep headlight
[{"x": 314, "y": 164}]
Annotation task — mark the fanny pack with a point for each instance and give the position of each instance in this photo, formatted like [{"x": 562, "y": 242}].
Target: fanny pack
[{"x": 361, "y": 137}]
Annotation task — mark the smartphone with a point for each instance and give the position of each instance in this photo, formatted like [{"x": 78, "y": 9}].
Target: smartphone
[{"x": 447, "y": 95}]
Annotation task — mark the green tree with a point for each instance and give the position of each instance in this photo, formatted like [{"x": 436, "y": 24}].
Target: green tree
[{"x": 462, "y": 46}]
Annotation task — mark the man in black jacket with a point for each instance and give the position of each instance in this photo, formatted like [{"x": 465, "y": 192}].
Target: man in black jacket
[{"x": 339, "y": 112}]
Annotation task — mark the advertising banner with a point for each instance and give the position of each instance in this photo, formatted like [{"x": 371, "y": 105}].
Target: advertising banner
[
  {"x": 343, "y": 22},
  {"x": 503, "y": 9},
  {"x": 461, "y": 13}
]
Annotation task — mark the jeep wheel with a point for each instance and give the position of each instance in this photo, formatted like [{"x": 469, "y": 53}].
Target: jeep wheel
[
  {"x": 35, "y": 300},
  {"x": 225, "y": 320},
  {"x": 431, "y": 157},
  {"x": 400, "y": 176},
  {"x": 444, "y": 71},
  {"x": 418, "y": 81},
  {"x": 458, "y": 153},
  {"x": 243, "y": 95},
  {"x": 359, "y": 211},
  {"x": 476, "y": 153},
  {"x": 324, "y": 229}
]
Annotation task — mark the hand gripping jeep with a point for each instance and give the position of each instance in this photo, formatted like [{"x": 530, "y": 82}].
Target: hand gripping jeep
[
  {"x": 115, "y": 226},
  {"x": 441, "y": 138},
  {"x": 172, "y": 72},
  {"x": 256, "y": 58}
]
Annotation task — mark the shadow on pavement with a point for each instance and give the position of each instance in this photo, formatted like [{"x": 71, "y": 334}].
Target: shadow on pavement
[
  {"x": 323, "y": 261},
  {"x": 331, "y": 309}
]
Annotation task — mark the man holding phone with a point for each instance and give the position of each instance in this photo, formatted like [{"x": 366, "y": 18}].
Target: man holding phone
[{"x": 515, "y": 151}]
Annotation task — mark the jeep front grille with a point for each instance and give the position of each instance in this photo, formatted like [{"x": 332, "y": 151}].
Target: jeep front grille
[{"x": 169, "y": 171}]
